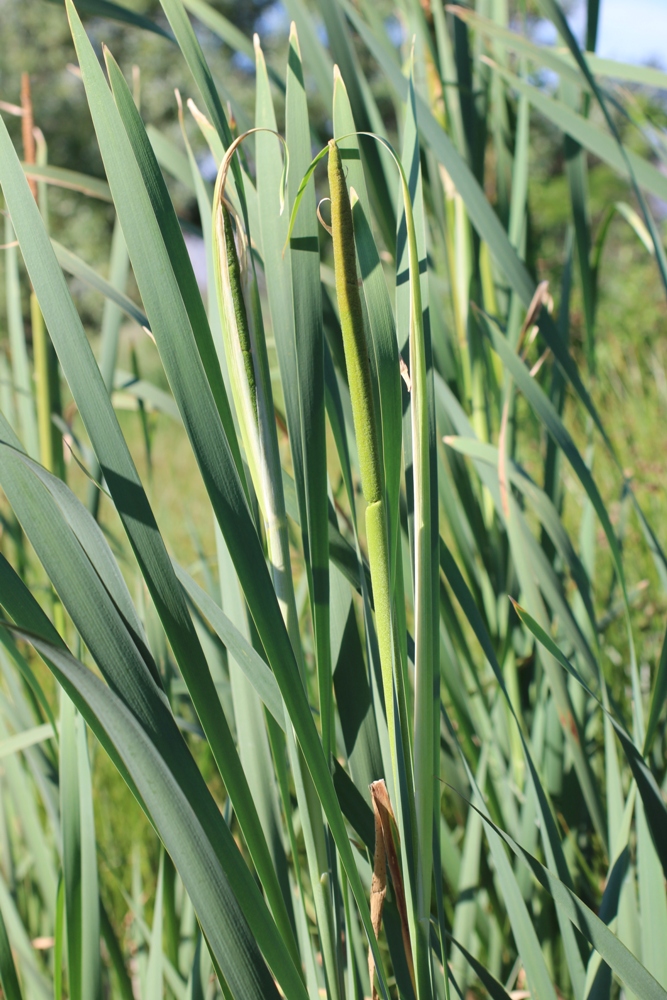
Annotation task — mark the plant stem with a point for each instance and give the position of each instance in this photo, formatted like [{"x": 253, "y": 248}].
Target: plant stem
[{"x": 365, "y": 426}]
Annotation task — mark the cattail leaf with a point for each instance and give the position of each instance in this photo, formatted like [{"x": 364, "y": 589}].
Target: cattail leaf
[
  {"x": 309, "y": 343},
  {"x": 173, "y": 240},
  {"x": 21, "y": 373},
  {"x": 652, "y": 900},
  {"x": 468, "y": 884},
  {"x": 167, "y": 316},
  {"x": 548, "y": 415},
  {"x": 658, "y": 697},
  {"x": 77, "y": 267},
  {"x": 8, "y": 977},
  {"x": 412, "y": 304},
  {"x": 382, "y": 333},
  {"x": 69, "y": 179},
  {"x": 117, "y": 12},
  {"x": 631, "y": 972},
  {"x": 590, "y": 136},
  {"x": 79, "y": 857},
  {"x": 178, "y": 822},
  {"x": 482, "y": 217},
  {"x": 154, "y": 989},
  {"x": 553, "y": 10},
  {"x": 193, "y": 55},
  {"x": 654, "y": 805},
  {"x": 120, "y": 658},
  {"x": 366, "y": 116}
]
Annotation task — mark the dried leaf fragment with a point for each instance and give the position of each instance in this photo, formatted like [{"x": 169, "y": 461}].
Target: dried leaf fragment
[{"x": 386, "y": 822}]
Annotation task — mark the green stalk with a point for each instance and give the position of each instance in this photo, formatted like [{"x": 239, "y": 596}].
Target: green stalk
[
  {"x": 247, "y": 360},
  {"x": 365, "y": 427},
  {"x": 40, "y": 347},
  {"x": 371, "y": 471},
  {"x": 111, "y": 320},
  {"x": 425, "y": 627},
  {"x": 46, "y": 362},
  {"x": 245, "y": 348},
  {"x": 21, "y": 375}
]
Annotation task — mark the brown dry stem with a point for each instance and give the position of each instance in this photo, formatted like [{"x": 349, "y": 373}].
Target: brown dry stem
[
  {"x": 27, "y": 132},
  {"x": 386, "y": 831}
]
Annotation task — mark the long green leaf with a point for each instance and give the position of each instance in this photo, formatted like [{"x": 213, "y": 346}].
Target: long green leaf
[
  {"x": 117, "y": 12},
  {"x": 25, "y": 739},
  {"x": 623, "y": 962},
  {"x": 8, "y": 978},
  {"x": 70, "y": 179},
  {"x": 74, "y": 265},
  {"x": 179, "y": 824},
  {"x": 590, "y": 136},
  {"x": 654, "y": 805}
]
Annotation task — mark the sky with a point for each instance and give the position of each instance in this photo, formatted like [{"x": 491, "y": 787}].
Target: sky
[
  {"x": 634, "y": 31},
  {"x": 629, "y": 30}
]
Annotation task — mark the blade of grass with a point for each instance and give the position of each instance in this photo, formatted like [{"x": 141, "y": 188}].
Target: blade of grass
[
  {"x": 463, "y": 927},
  {"x": 24, "y": 953},
  {"x": 189, "y": 45},
  {"x": 25, "y": 739},
  {"x": 365, "y": 115},
  {"x": 229, "y": 33},
  {"x": 652, "y": 901},
  {"x": 590, "y": 136},
  {"x": 545, "y": 511},
  {"x": 19, "y": 787},
  {"x": 246, "y": 657},
  {"x": 527, "y": 942},
  {"x": 8, "y": 977},
  {"x": 154, "y": 989},
  {"x": 179, "y": 825},
  {"x": 93, "y": 402},
  {"x": 624, "y": 964},
  {"x": 77, "y": 267},
  {"x": 316, "y": 53},
  {"x": 654, "y": 805},
  {"x": 109, "y": 334},
  {"x": 70, "y": 179},
  {"x": 562, "y": 701},
  {"x": 484, "y": 219},
  {"x": 424, "y": 540},
  {"x": 81, "y": 607},
  {"x": 658, "y": 698},
  {"x": 21, "y": 374},
  {"x": 553, "y": 10},
  {"x": 117, "y": 12},
  {"x": 548, "y": 415},
  {"x": 123, "y": 980},
  {"x": 201, "y": 423},
  {"x": 79, "y": 876},
  {"x": 550, "y": 838},
  {"x": 304, "y": 254},
  {"x": 173, "y": 240}
]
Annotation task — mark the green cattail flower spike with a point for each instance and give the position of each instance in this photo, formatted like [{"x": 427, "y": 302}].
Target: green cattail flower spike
[
  {"x": 354, "y": 337},
  {"x": 365, "y": 422},
  {"x": 244, "y": 341}
]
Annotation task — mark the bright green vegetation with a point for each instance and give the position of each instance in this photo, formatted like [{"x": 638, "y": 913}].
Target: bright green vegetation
[{"x": 382, "y": 506}]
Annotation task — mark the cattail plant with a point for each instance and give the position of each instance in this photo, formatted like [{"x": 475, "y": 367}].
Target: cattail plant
[{"x": 377, "y": 730}]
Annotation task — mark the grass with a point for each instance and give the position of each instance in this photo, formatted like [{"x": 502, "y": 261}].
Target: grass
[{"x": 369, "y": 593}]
